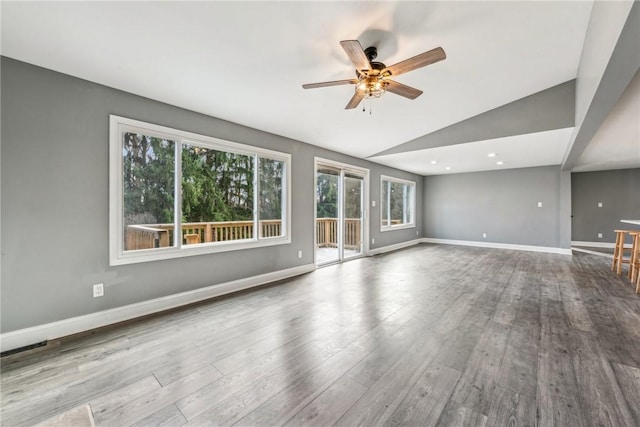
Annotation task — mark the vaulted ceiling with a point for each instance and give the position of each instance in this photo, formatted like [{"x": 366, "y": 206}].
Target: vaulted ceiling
[{"x": 507, "y": 86}]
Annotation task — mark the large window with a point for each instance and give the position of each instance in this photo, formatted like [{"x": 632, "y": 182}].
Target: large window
[
  {"x": 174, "y": 194},
  {"x": 397, "y": 203}
]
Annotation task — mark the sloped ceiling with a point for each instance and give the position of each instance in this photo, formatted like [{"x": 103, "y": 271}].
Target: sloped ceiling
[
  {"x": 616, "y": 144},
  {"x": 245, "y": 62}
]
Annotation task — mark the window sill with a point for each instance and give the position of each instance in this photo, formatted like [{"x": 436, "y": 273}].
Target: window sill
[
  {"x": 397, "y": 227},
  {"x": 149, "y": 255}
]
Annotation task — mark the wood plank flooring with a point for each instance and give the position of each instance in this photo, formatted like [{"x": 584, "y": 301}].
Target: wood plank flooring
[{"x": 427, "y": 336}]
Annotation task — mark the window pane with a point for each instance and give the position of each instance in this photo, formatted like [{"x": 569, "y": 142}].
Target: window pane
[
  {"x": 270, "y": 197},
  {"x": 217, "y": 195},
  {"x": 327, "y": 194},
  {"x": 327, "y": 213},
  {"x": 408, "y": 204},
  {"x": 148, "y": 191},
  {"x": 396, "y": 200},
  {"x": 385, "y": 203},
  {"x": 352, "y": 234},
  {"x": 352, "y": 197}
]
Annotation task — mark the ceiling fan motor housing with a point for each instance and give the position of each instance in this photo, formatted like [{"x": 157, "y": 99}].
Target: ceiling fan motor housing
[{"x": 371, "y": 53}]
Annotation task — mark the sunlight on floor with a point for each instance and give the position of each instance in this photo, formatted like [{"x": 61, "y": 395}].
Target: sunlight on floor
[{"x": 326, "y": 255}]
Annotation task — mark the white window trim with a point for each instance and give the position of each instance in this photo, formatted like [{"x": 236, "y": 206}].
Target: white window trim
[
  {"x": 117, "y": 255},
  {"x": 412, "y": 224}
]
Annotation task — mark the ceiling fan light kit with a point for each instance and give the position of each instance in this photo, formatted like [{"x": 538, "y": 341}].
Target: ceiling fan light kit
[{"x": 373, "y": 78}]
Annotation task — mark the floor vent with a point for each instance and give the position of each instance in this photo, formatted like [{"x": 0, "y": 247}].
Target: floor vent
[{"x": 21, "y": 349}]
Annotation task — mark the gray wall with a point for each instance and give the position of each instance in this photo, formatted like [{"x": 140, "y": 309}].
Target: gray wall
[
  {"x": 55, "y": 155},
  {"x": 503, "y": 204},
  {"x": 552, "y": 108},
  {"x": 619, "y": 192}
]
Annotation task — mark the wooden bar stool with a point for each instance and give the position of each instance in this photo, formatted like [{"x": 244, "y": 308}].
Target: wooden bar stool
[
  {"x": 618, "y": 252},
  {"x": 634, "y": 262},
  {"x": 637, "y": 264}
]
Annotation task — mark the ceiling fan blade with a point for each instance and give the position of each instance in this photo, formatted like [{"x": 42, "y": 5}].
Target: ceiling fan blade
[
  {"x": 402, "y": 90},
  {"x": 333, "y": 83},
  {"x": 356, "y": 54},
  {"x": 354, "y": 101},
  {"x": 418, "y": 61}
]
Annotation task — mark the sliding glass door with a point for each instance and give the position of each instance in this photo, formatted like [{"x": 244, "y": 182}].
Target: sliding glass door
[
  {"x": 340, "y": 218},
  {"x": 353, "y": 192},
  {"x": 327, "y": 215}
]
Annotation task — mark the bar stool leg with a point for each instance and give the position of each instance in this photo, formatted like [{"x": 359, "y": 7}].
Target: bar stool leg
[
  {"x": 616, "y": 253},
  {"x": 633, "y": 262}
]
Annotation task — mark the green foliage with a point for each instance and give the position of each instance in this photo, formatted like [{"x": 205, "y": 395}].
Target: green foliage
[
  {"x": 216, "y": 185},
  {"x": 397, "y": 201},
  {"x": 271, "y": 175},
  {"x": 327, "y": 196},
  {"x": 352, "y": 197},
  {"x": 148, "y": 165}
]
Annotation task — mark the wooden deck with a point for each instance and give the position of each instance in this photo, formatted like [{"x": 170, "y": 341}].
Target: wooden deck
[{"x": 431, "y": 335}]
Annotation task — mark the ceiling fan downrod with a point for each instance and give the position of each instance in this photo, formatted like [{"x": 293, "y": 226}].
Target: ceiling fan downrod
[{"x": 371, "y": 53}]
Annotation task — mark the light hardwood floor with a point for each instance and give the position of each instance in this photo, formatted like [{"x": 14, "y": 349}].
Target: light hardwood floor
[{"x": 428, "y": 336}]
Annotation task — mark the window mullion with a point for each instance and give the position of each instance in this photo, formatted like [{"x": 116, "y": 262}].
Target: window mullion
[
  {"x": 404, "y": 203},
  {"x": 256, "y": 198},
  {"x": 388, "y": 203},
  {"x": 284, "y": 203},
  {"x": 177, "y": 220}
]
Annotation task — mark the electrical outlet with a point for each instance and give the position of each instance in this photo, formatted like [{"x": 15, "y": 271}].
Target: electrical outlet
[
  {"x": 373, "y": 241},
  {"x": 299, "y": 254},
  {"x": 539, "y": 204},
  {"x": 599, "y": 204},
  {"x": 417, "y": 232},
  {"x": 484, "y": 235},
  {"x": 373, "y": 203},
  {"x": 599, "y": 235},
  {"x": 98, "y": 290}
]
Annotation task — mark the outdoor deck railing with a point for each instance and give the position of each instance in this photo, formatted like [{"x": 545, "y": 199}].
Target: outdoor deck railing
[
  {"x": 148, "y": 236},
  {"x": 327, "y": 233}
]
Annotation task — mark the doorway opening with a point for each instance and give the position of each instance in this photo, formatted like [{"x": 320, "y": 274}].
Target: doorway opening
[{"x": 341, "y": 223}]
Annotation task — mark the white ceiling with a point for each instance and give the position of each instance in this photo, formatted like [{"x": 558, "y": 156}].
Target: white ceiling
[
  {"x": 519, "y": 151},
  {"x": 245, "y": 62}
]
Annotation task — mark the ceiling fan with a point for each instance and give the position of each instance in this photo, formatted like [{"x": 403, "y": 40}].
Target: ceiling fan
[{"x": 373, "y": 78}]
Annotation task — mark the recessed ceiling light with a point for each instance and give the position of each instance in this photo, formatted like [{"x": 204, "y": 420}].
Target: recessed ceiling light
[
  {"x": 447, "y": 167},
  {"x": 491, "y": 154},
  {"x": 500, "y": 162},
  {"x": 433, "y": 162}
]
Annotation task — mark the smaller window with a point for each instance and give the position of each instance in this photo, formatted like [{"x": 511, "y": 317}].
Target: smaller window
[{"x": 398, "y": 203}]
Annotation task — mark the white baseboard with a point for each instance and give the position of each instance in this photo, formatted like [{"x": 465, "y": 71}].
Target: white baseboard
[
  {"x": 597, "y": 244},
  {"x": 493, "y": 245},
  {"x": 395, "y": 247},
  {"x": 74, "y": 325},
  {"x": 586, "y": 251}
]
